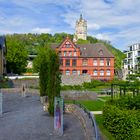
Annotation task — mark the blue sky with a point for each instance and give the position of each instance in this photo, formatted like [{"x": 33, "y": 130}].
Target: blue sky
[{"x": 115, "y": 20}]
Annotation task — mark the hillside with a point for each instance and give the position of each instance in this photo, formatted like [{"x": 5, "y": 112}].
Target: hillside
[{"x": 32, "y": 42}]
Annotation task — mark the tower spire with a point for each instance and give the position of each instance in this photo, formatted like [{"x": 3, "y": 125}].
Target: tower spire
[{"x": 81, "y": 17}]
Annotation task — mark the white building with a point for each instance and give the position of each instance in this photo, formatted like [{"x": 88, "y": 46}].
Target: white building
[
  {"x": 131, "y": 60},
  {"x": 81, "y": 29}
]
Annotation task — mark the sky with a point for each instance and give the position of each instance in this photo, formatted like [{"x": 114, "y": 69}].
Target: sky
[{"x": 117, "y": 21}]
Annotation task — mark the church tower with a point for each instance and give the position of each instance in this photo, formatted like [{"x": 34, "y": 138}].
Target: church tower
[{"x": 81, "y": 29}]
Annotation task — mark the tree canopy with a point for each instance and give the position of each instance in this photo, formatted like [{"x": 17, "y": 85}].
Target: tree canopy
[{"x": 16, "y": 55}]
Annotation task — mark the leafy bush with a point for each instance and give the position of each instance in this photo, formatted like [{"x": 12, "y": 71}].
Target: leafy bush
[
  {"x": 127, "y": 102},
  {"x": 123, "y": 124}
]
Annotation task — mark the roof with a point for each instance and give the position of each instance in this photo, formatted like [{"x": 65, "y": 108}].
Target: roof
[
  {"x": 94, "y": 50},
  {"x": 89, "y": 50}
]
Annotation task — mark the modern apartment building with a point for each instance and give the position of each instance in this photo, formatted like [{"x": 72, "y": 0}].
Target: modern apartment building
[
  {"x": 132, "y": 58},
  {"x": 2, "y": 55},
  {"x": 86, "y": 59}
]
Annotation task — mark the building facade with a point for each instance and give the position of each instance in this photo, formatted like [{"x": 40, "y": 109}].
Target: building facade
[
  {"x": 132, "y": 58},
  {"x": 90, "y": 59},
  {"x": 80, "y": 29},
  {"x": 2, "y": 56}
]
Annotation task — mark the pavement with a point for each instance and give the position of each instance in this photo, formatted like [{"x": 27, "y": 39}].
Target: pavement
[
  {"x": 24, "y": 119},
  {"x": 96, "y": 112}
]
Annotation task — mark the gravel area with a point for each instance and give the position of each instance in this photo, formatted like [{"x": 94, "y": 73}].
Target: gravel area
[{"x": 24, "y": 119}]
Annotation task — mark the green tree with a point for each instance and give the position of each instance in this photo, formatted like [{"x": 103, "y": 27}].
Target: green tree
[
  {"x": 54, "y": 78},
  {"x": 41, "y": 65},
  {"x": 16, "y": 55},
  {"x": 47, "y": 64},
  {"x": 81, "y": 41}
]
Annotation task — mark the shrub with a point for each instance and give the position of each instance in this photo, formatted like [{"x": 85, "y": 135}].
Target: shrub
[
  {"x": 123, "y": 124},
  {"x": 127, "y": 102}
]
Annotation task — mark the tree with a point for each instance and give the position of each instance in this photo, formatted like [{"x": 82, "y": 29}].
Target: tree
[
  {"x": 54, "y": 80},
  {"x": 47, "y": 64},
  {"x": 16, "y": 56},
  {"x": 81, "y": 41},
  {"x": 41, "y": 65}
]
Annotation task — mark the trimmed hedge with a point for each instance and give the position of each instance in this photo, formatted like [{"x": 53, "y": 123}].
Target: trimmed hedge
[{"x": 123, "y": 124}]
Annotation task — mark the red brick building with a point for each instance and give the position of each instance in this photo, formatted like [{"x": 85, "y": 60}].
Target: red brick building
[{"x": 92, "y": 59}]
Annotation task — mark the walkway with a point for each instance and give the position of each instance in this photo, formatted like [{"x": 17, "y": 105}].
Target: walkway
[{"x": 24, "y": 119}]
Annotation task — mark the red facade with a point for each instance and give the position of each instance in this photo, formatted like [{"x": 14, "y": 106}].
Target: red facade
[{"x": 92, "y": 59}]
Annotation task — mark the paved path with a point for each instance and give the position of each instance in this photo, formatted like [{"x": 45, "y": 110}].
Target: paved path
[{"x": 24, "y": 119}]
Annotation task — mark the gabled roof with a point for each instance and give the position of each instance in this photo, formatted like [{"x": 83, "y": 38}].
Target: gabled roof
[
  {"x": 89, "y": 50},
  {"x": 64, "y": 40}
]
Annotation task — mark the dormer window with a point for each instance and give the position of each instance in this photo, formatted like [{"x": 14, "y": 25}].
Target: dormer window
[
  {"x": 101, "y": 52},
  {"x": 67, "y": 44}
]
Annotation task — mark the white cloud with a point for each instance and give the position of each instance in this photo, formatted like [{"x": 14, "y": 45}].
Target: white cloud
[
  {"x": 93, "y": 26},
  {"x": 41, "y": 30},
  {"x": 102, "y": 36}
]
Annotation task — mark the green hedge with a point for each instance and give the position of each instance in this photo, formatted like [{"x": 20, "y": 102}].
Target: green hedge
[
  {"x": 127, "y": 102},
  {"x": 123, "y": 124}
]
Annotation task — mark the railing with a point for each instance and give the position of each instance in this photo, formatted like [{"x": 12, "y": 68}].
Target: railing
[{"x": 91, "y": 116}]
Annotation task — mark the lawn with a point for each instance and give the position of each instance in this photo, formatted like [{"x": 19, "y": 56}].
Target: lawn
[{"x": 93, "y": 105}]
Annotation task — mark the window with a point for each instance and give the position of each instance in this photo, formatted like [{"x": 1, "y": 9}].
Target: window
[
  {"x": 67, "y": 62},
  {"x": 61, "y": 62},
  {"x": 70, "y": 53},
  {"x": 108, "y": 62},
  {"x": 108, "y": 72},
  {"x": 95, "y": 62},
  {"x": 74, "y": 62},
  {"x": 74, "y": 72},
  {"x": 129, "y": 55},
  {"x": 95, "y": 72},
  {"x": 101, "y": 72},
  {"x": 67, "y": 72},
  {"x": 59, "y": 53},
  {"x": 78, "y": 72},
  {"x": 67, "y": 45},
  {"x": 84, "y": 62},
  {"x": 101, "y": 62},
  {"x": 75, "y": 54},
  {"x": 101, "y": 52},
  {"x": 61, "y": 71},
  {"x": 84, "y": 72},
  {"x": 65, "y": 53}
]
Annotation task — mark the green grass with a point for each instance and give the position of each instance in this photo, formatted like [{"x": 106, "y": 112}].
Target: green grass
[
  {"x": 92, "y": 105},
  {"x": 106, "y": 134},
  {"x": 106, "y": 98}
]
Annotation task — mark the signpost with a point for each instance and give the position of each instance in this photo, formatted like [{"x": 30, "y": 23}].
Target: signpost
[{"x": 58, "y": 116}]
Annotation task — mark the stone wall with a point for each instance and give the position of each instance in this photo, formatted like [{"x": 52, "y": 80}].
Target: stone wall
[
  {"x": 84, "y": 120},
  {"x": 78, "y": 95},
  {"x": 66, "y": 80},
  {"x": 30, "y": 83},
  {"x": 75, "y": 79}
]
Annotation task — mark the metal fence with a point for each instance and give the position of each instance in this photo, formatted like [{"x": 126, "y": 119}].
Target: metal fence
[{"x": 91, "y": 116}]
